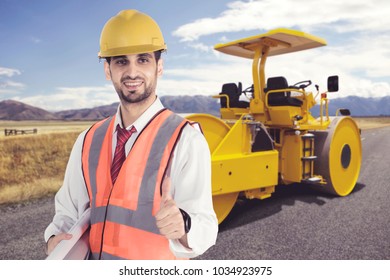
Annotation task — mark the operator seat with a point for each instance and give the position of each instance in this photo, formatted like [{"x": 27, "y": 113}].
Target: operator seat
[
  {"x": 282, "y": 98},
  {"x": 234, "y": 92}
]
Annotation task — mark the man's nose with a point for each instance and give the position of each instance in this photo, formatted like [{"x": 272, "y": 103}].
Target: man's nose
[{"x": 132, "y": 70}]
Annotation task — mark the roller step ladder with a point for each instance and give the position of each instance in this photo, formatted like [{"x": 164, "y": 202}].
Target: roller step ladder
[{"x": 308, "y": 159}]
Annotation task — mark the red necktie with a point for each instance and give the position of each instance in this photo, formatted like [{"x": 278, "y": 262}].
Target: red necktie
[{"x": 119, "y": 157}]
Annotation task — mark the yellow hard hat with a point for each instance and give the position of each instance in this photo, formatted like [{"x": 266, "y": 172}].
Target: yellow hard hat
[{"x": 130, "y": 32}]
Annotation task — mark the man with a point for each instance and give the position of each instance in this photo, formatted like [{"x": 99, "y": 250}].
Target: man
[{"x": 156, "y": 204}]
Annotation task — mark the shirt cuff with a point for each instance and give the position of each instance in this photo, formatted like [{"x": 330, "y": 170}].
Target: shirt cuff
[
  {"x": 179, "y": 250},
  {"x": 50, "y": 231}
]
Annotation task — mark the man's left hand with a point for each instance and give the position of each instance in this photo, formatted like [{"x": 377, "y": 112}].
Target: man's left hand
[{"x": 169, "y": 219}]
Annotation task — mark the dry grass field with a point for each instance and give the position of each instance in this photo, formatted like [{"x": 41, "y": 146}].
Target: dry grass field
[
  {"x": 372, "y": 122},
  {"x": 45, "y": 127},
  {"x": 33, "y": 166}
]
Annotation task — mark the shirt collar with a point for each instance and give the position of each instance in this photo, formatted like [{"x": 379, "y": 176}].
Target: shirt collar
[{"x": 143, "y": 120}]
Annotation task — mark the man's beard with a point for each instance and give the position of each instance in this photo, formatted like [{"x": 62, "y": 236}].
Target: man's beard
[{"x": 131, "y": 96}]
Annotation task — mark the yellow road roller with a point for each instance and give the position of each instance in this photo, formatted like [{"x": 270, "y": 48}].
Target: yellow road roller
[{"x": 270, "y": 137}]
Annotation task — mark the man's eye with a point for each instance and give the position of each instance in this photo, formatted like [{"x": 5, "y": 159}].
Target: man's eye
[
  {"x": 143, "y": 60},
  {"x": 121, "y": 62}
]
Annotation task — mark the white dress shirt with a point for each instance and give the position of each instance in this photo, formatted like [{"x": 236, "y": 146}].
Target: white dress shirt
[{"x": 190, "y": 186}]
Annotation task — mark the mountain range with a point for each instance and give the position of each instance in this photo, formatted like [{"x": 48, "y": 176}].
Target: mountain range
[{"x": 15, "y": 110}]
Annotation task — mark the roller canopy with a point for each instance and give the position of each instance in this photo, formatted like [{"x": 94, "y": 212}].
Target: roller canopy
[{"x": 280, "y": 41}]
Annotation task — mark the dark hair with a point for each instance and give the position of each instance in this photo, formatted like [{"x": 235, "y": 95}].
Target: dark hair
[{"x": 157, "y": 56}]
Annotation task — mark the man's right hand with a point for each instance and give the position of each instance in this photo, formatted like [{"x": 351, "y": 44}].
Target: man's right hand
[{"x": 54, "y": 240}]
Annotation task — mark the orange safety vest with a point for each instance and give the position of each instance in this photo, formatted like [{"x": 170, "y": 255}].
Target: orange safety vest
[{"x": 123, "y": 224}]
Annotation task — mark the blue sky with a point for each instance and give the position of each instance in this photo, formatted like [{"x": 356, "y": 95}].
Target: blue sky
[{"x": 48, "y": 48}]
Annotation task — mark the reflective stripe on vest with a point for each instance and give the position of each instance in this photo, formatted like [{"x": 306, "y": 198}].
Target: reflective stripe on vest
[{"x": 122, "y": 216}]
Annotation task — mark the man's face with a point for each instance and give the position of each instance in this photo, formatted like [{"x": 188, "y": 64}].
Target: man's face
[{"x": 134, "y": 76}]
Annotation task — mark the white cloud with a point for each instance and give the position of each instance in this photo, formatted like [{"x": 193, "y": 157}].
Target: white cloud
[
  {"x": 343, "y": 16},
  {"x": 11, "y": 84},
  {"x": 35, "y": 40},
  {"x": 315, "y": 65},
  {"x": 73, "y": 98},
  {"x": 187, "y": 87},
  {"x": 367, "y": 88},
  {"x": 205, "y": 78},
  {"x": 201, "y": 47},
  {"x": 358, "y": 48},
  {"x": 223, "y": 39},
  {"x": 9, "y": 72},
  {"x": 8, "y": 86},
  {"x": 361, "y": 61}
]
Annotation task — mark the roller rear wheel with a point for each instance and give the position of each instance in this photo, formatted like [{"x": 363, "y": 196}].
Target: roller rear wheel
[
  {"x": 215, "y": 131},
  {"x": 339, "y": 155}
]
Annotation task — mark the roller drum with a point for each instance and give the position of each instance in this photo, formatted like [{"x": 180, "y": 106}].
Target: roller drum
[
  {"x": 215, "y": 130},
  {"x": 339, "y": 155}
]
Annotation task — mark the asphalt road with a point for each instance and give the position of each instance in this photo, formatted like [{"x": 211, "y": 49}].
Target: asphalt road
[{"x": 295, "y": 223}]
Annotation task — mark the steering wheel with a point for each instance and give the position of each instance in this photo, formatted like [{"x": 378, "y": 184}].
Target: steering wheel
[
  {"x": 301, "y": 84},
  {"x": 248, "y": 89}
]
